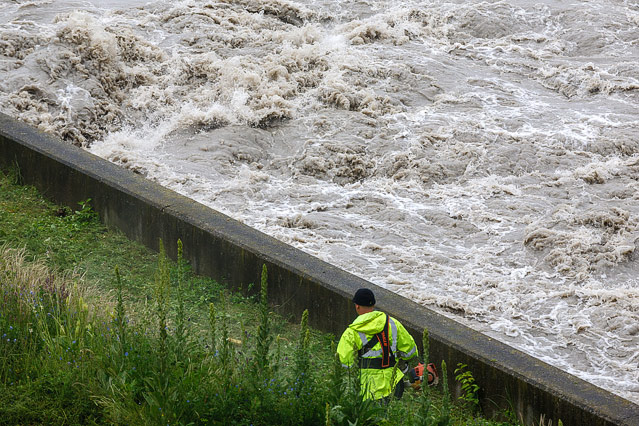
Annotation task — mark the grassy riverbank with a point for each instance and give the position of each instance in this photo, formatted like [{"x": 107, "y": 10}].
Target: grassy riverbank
[{"x": 97, "y": 329}]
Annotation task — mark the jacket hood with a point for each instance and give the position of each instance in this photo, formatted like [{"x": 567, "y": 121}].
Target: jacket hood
[{"x": 369, "y": 323}]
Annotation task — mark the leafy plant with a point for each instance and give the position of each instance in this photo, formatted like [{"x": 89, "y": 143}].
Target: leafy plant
[
  {"x": 85, "y": 214},
  {"x": 470, "y": 389}
]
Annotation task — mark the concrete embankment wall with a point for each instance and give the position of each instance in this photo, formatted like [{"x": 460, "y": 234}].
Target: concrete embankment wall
[{"x": 232, "y": 253}]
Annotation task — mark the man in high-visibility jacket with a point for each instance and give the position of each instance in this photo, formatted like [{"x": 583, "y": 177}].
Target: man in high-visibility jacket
[{"x": 379, "y": 340}]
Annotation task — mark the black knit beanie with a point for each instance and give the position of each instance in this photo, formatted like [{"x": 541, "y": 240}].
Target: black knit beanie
[{"x": 364, "y": 297}]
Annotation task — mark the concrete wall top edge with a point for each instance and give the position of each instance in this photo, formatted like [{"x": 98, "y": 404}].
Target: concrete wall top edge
[
  {"x": 451, "y": 333},
  {"x": 82, "y": 160}
]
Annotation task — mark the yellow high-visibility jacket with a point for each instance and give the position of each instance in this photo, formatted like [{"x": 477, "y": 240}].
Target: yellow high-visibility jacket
[{"x": 376, "y": 382}]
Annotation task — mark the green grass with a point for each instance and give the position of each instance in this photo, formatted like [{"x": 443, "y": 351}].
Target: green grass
[{"x": 97, "y": 329}]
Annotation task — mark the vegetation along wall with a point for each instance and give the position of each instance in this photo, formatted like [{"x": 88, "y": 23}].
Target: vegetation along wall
[{"x": 232, "y": 253}]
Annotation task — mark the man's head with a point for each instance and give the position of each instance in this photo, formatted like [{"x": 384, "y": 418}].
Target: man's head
[{"x": 364, "y": 301}]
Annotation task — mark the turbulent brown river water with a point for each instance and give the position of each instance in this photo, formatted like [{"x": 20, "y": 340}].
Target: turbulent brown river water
[{"x": 480, "y": 158}]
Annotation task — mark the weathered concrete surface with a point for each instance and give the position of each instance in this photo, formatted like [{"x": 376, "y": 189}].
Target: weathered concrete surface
[{"x": 233, "y": 253}]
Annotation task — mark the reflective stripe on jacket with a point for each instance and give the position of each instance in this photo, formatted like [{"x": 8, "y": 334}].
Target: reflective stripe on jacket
[{"x": 376, "y": 383}]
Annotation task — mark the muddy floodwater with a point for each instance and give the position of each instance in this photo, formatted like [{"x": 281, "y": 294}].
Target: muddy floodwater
[{"x": 478, "y": 157}]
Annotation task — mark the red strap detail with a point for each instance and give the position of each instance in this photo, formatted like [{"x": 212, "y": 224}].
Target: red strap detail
[{"x": 383, "y": 338}]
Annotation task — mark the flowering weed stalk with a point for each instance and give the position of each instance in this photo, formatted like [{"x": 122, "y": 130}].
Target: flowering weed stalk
[
  {"x": 164, "y": 389},
  {"x": 264, "y": 337},
  {"x": 444, "y": 417},
  {"x": 302, "y": 358},
  {"x": 212, "y": 326},
  {"x": 120, "y": 320},
  {"x": 180, "y": 317},
  {"x": 424, "y": 409}
]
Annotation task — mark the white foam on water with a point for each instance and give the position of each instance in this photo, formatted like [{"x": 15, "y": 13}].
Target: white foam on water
[{"x": 478, "y": 158}]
